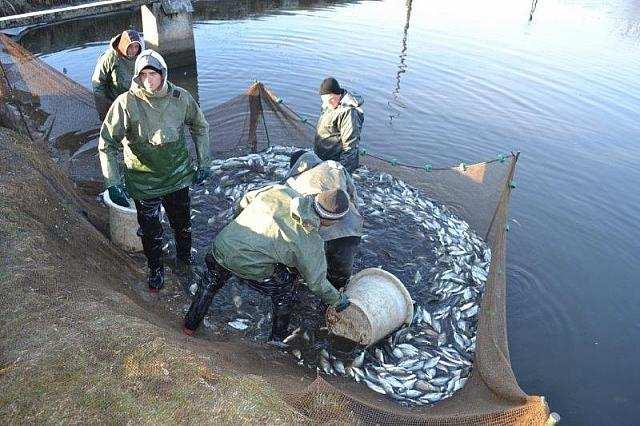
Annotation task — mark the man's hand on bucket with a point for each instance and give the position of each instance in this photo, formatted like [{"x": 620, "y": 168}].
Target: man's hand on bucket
[
  {"x": 342, "y": 303},
  {"x": 332, "y": 311},
  {"x": 118, "y": 195}
]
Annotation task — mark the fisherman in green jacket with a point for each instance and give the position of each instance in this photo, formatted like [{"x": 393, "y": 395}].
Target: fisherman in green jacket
[
  {"x": 309, "y": 176},
  {"x": 148, "y": 124},
  {"x": 275, "y": 236},
  {"x": 339, "y": 125},
  {"x": 114, "y": 70}
]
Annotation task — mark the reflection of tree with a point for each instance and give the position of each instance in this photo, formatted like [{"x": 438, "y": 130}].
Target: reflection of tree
[
  {"x": 402, "y": 67},
  {"x": 534, "y": 4}
]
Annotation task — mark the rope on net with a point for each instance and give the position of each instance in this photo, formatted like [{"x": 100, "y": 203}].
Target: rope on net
[{"x": 394, "y": 162}]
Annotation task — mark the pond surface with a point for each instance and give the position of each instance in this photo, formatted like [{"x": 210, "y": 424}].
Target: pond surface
[{"x": 451, "y": 81}]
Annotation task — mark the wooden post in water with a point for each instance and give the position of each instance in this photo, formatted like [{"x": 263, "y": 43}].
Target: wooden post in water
[
  {"x": 255, "y": 111},
  {"x": 168, "y": 29}
]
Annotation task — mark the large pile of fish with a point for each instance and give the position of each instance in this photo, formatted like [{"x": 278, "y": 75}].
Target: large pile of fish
[{"x": 442, "y": 262}]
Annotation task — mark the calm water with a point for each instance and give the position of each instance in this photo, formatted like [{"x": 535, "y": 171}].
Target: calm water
[{"x": 449, "y": 81}]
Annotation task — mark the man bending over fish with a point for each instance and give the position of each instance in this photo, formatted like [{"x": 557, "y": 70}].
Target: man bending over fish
[{"x": 275, "y": 237}]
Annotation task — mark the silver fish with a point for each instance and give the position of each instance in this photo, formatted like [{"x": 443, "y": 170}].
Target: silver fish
[
  {"x": 412, "y": 393},
  {"x": 239, "y": 324},
  {"x": 339, "y": 367},
  {"x": 374, "y": 387},
  {"x": 357, "y": 361},
  {"x": 430, "y": 363},
  {"x": 326, "y": 366},
  {"x": 439, "y": 381}
]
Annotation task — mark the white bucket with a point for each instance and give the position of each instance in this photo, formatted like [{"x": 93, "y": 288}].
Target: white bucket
[
  {"x": 123, "y": 225},
  {"x": 380, "y": 304}
]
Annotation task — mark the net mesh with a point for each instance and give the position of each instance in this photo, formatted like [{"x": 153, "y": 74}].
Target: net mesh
[{"x": 53, "y": 111}]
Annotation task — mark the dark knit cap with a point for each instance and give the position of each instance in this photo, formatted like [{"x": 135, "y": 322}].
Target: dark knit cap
[
  {"x": 295, "y": 156},
  {"x": 332, "y": 204},
  {"x": 151, "y": 67},
  {"x": 330, "y": 85}
]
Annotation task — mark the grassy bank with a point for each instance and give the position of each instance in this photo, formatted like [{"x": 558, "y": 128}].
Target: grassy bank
[{"x": 77, "y": 341}]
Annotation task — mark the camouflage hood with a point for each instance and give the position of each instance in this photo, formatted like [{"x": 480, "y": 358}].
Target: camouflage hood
[
  {"x": 307, "y": 161},
  {"x": 121, "y": 42},
  {"x": 352, "y": 100}
]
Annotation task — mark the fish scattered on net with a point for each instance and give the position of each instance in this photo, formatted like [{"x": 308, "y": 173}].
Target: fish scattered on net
[{"x": 441, "y": 261}]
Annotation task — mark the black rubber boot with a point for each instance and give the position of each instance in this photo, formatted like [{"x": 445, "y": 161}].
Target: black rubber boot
[
  {"x": 282, "y": 305},
  {"x": 279, "y": 327},
  {"x": 156, "y": 279},
  {"x": 340, "y": 255},
  {"x": 177, "y": 206},
  {"x": 183, "y": 245},
  {"x": 150, "y": 232},
  {"x": 212, "y": 280},
  {"x": 186, "y": 274},
  {"x": 282, "y": 297}
]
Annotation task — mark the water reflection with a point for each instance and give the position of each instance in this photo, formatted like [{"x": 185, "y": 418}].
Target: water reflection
[
  {"x": 402, "y": 67},
  {"x": 534, "y": 4}
]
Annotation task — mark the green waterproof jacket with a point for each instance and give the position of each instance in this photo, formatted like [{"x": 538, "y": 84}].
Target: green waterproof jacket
[
  {"x": 112, "y": 76},
  {"x": 310, "y": 175},
  {"x": 150, "y": 129},
  {"x": 276, "y": 225},
  {"x": 338, "y": 132}
]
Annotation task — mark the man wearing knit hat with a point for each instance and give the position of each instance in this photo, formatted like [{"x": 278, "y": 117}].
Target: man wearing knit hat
[
  {"x": 113, "y": 72},
  {"x": 339, "y": 125},
  {"x": 148, "y": 124},
  {"x": 274, "y": 238}
]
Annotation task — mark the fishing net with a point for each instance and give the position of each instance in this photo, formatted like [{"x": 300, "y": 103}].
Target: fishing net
[{"x": 51, "y": 110}]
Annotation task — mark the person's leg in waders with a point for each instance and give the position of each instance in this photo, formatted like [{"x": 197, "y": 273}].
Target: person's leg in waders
[
  {"x": 340, "y": 254},
  {"x": 178, "y": 209},
  {"x": 213, "y": 279},
  {"x": 150, "y": 232},
  {"x": 282, "y": 298}
]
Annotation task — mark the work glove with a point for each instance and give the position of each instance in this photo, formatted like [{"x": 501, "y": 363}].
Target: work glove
[
  {"x": 118, "y": 195},
  {"x": 202, "y": 174},
  {"x": 342, "y": 303}
]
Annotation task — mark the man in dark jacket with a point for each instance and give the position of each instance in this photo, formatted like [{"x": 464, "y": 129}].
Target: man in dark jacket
[
  {"x": 275, "y": 236},
  {"x": 339, "y": 125},
  {"x": 114, "y": 70}
]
